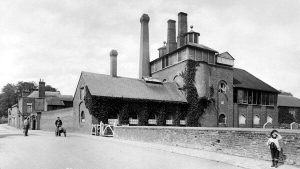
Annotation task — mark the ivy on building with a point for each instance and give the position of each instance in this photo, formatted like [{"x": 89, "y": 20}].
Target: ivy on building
[{"x": 197, "y": 105}]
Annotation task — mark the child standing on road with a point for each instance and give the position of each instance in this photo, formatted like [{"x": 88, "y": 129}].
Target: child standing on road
[{"x": 274, "y": 146}]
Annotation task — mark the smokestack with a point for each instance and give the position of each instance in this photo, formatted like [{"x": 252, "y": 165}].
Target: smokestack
[
  {"x": 182, "y": 28},
  {"x": 144, "y": 63},
  {"x": 171, "y": 39},
  {"x": 41, "y": 89},
  {"x": 113, "y": 63}
]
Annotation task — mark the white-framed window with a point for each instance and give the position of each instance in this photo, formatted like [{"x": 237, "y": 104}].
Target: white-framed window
[
  {"x": 242, "y": 119},
  {"x": 256, "y": 120},
  {"x": 29, "y": 107},
  {"x": 222, "y": 87}
]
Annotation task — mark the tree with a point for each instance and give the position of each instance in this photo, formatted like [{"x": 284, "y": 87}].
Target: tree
[
  {"x": 284, "y": 116},
  {"x": 50, "y": 88},
  {"x": 285, "y": 93},
  {"x": 297, "y": 117},
  {"x": 8, "y": 98}
]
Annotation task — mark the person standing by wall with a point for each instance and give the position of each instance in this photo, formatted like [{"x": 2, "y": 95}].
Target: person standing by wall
[
  {"x": 273, "y": 143},
  {"x": 58, "y": 124},
  {"x": 26, "y": 126}
]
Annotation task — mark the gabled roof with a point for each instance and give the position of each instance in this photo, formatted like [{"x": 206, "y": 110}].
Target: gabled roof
[
  {"x": 35, "y": 94},
  {"x": 244, "y": 79},
  {"x": 288, "y": 101},
  {"x": 225, "y": 55},
  {"x": 55, "y": 101},
  {"x": 121, "y": 87},
  {"x": 66, "y": 97}
]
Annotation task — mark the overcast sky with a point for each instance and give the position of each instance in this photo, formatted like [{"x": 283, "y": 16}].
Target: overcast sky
[{"x": 57, "y": 39}]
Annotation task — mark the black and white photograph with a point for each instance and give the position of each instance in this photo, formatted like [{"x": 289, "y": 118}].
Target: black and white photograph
[{"x": 149, "y": 84}]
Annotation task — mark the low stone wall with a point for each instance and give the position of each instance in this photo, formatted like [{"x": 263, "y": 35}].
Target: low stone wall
[
  {"x": 245, "y": 142},
  {"x": 48, "y": 119}
]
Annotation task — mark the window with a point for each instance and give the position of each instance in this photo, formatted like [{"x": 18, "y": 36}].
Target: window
[
  {"x": 82, "y": 93},
  {"x": 29, "y": 107},
  {"x": 222, "y": 87},
  {"x": 222, "y": 119},
  {"x": 258, "y": 97},
  {"x": 250, "y": 97},
  {"x": 254, "y": 98},
  {"x": 211, "y": 58},
  {"x": 269, "y": 119},
  {"x": 263, "y": 98},
  {"x": 195, "y": 39},
  {"x": 242, "y": 119},
  {"x": 245, "y": 97},
  {"x": 198, "y": 56},
  {"x": 82, "y": 117},
  {"x": 292, "y": 112},
  {"x": 205, "y": 56},
  {"x": 256, "y": 120},
  {"x": 272, "y": 100},
  {"x": 240, "y": 95}
]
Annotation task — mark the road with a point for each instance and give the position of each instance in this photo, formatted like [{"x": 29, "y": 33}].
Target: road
[{"x": 42, "y": 150}]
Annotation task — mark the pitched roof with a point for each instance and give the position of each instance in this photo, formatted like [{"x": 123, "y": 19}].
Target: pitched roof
[
  {"x": 225, "y": 55},
  {"x": 244, "y": 79},
  {"x": 35, "y": 94},
  {"x": 121, "y": 87},
  {"x": 202, "y": 47},
  {"x": 56, "y": 101},
  {"x": 288, "y": 101},
  {"x": 66, "y": 97}
]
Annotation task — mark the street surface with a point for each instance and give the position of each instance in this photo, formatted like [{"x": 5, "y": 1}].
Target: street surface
[{"x": 42, "y": 150}]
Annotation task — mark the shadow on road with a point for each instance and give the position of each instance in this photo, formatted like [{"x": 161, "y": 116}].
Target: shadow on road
[{"x": 8, "y": 135}]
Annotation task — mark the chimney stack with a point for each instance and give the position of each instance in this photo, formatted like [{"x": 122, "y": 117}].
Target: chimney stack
[
  {"x": 113, "y": 63},
  {"x": 144, "y": 62},
  {"x": 41, "y": 89},
  {"x": 182, "y": 28},
  {"x": 171, "y": 39}
]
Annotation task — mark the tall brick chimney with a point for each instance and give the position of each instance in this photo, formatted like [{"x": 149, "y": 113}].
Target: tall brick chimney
[
  {"x": 144, "y": 62},
  {"x": 182, "y": 28},
  {"x": 41, "y": 89},
  {"x": 113, "y": 63},
  {"x": 171, "y": 39}
]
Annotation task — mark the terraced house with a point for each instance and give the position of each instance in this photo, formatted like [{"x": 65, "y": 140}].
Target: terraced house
[{"x": 187, "y": 84}]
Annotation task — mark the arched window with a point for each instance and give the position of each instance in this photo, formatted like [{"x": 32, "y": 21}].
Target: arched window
[
  {"x": 222, "y": 87},
  {"x": 222, "y": 119},
  {"x": 256, "y": 120},
  {"x": 269, "y": 119},
  {"x": 82, "y": 117},
  {"x": 242, "y": 119}
]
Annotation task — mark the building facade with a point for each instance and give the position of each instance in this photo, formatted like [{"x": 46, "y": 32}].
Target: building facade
[{"x": 234, "y": 97}]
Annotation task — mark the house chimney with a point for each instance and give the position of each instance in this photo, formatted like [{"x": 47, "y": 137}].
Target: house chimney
[
  {"x": 144, "y": 62},
  {"x": 171, "y": 39},
  {"x": 182, "y": 28},
  {"x": 113, "y": 63},
  {"x": 41, "y": 89}
]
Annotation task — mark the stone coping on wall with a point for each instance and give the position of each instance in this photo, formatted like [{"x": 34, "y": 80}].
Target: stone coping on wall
[{"x": 216, "y": 128}]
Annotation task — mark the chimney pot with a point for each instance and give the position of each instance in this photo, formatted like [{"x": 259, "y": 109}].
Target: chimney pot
[
  {"x": 182, "y": 28},
  {"x": 171, "y": 36},
  {"x": 113, "y": 62},
  {"x": 41, "y": 89}
]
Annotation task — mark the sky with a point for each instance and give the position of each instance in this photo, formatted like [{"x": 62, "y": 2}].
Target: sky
[{"x": 55, "y": 40}]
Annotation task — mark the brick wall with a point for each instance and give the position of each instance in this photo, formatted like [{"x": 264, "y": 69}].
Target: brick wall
[
  {"x": 48, "y": 119},
  {"x": 236, "y": 141}
]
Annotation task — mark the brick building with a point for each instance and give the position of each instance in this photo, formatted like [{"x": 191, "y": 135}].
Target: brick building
[
  {"x": 34, "y": 104},
  {"x": 237, "y": 98}
]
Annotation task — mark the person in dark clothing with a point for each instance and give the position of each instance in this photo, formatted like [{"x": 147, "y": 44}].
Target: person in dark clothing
[
  {"x": 58, "y": 124},
  {"x": 26, "y": 126},
  {"x": 274, "y": 146}
]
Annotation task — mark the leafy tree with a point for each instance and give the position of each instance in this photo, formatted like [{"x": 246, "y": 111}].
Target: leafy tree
[
  {"x": 50, "y": 88},
  {"x": 8, "y": 98},
  {"x": 297, "y": 117},
  {"x": 284, "y": 116}
]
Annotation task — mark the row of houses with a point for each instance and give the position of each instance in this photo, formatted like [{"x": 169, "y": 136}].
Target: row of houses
[{"x": 184, "y": 69}]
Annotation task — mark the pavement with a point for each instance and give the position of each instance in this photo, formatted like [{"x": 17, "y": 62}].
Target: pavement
[{"x": 141, "y": 150}]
